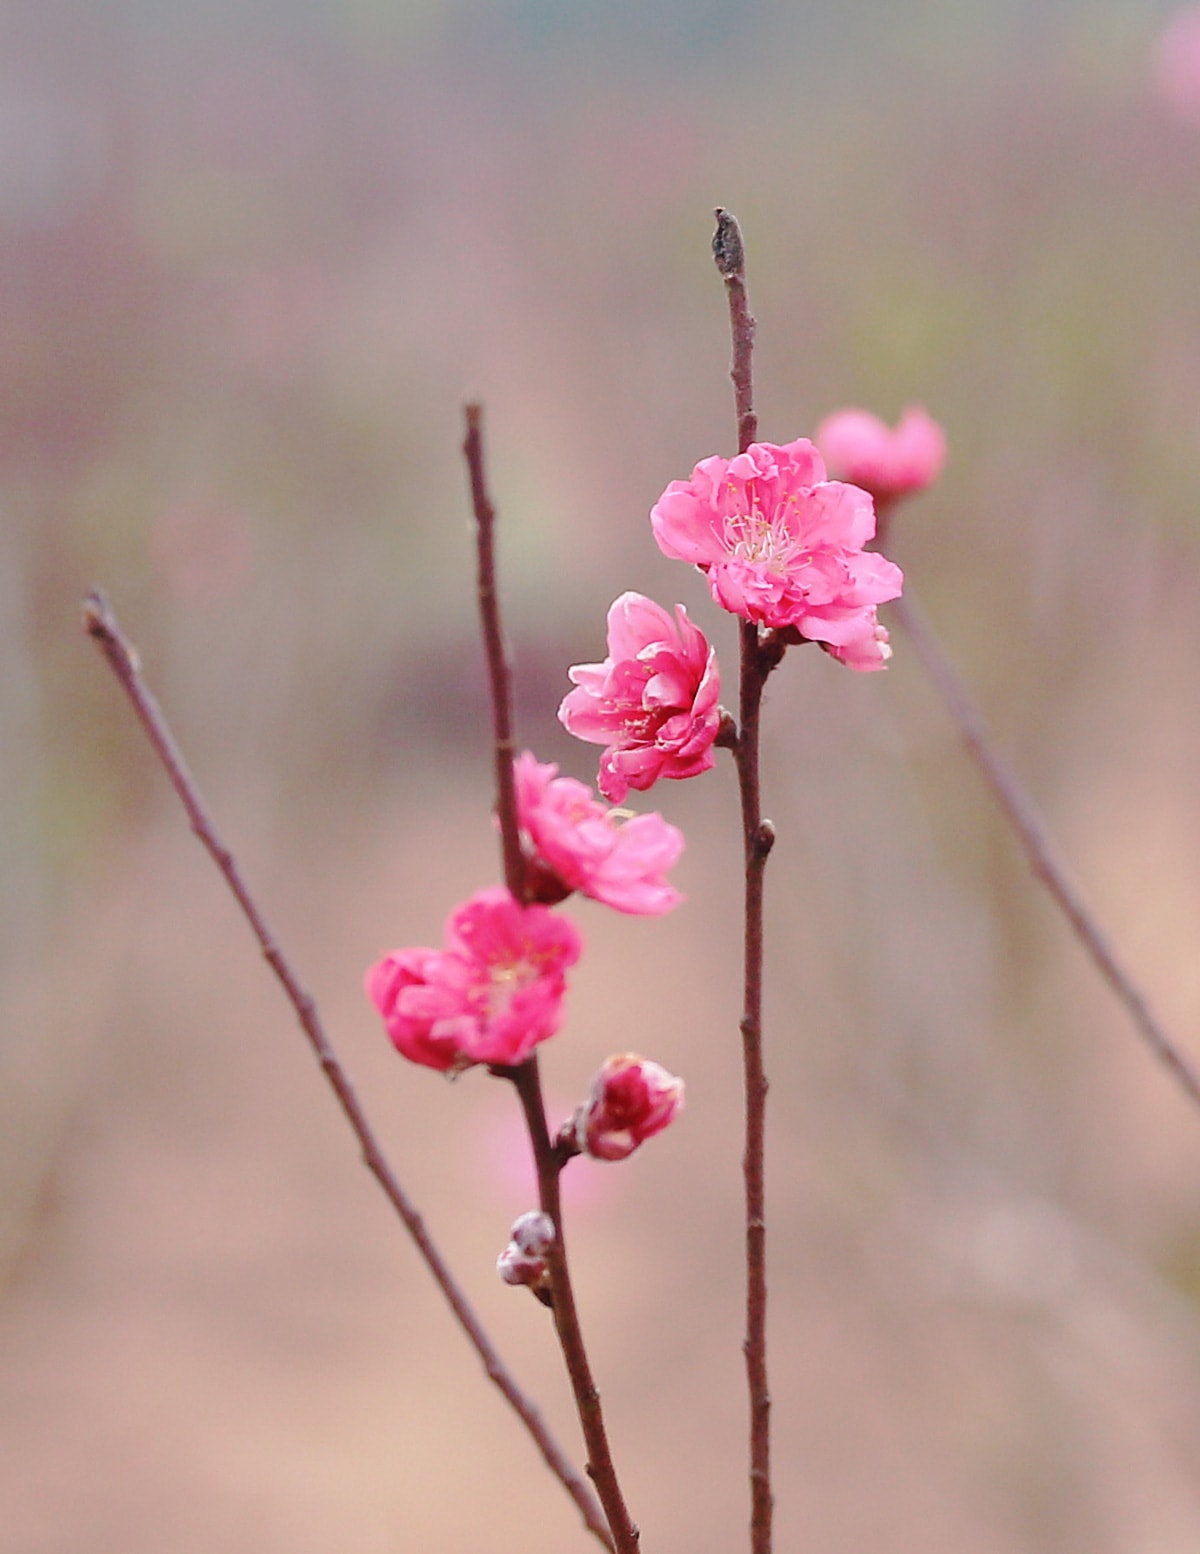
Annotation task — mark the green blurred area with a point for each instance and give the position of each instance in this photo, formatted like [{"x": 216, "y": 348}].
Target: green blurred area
[{"x": 253, "y": 259}]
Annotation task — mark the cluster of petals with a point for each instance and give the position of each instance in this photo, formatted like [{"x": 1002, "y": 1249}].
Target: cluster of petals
[
  {"x": 889, "y": 462},
  {"x": 652, "y": 702},
  {"x": 523, "y": 1260},
  {"x": 489, "y": 996},
  {"x": 631, "y": 1099},
  {"x": 783, "y": 546},
  {"x": 571, "y": 842}
]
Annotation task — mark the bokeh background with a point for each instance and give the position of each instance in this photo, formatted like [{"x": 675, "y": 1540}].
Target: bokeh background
[{"x": 254, "y": 257}]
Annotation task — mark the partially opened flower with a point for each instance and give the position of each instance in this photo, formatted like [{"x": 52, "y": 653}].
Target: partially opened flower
[
  {"x": 783, "y": 546},
  {"x": 631, "y": 1100},
  {"x": 490, "y": 996},
  {"x": 888, "y": 462},
  {"x": 653, "y": 701},
  {"x": 573, "y": 843}
]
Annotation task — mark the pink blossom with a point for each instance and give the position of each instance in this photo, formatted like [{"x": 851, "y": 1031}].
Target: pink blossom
[
  {"x": 573, "y": 843},
  {"x": 888, "y": 463},
  {"x": 783, "y": 546},
  {"x": 490, "y": 996},
  {"x": 1177, "y": 66},
  {"x": 631, "y": 1100},
  {"x": 653, "y": 701}
]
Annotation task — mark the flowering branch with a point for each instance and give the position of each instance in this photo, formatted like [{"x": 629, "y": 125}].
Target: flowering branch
[
  {"x": 1044, "y": 859},
  {"x": 760, "y": 653},
  {"x": 549, "y": 1160},
  {"x": 101, "y": 624}
]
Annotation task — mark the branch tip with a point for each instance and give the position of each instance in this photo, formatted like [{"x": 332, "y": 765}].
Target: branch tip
[{"x": 728, "y": 250}]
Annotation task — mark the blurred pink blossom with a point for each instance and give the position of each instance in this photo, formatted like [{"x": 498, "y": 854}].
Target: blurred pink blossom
[
  {"x": 1176, "y": 66},
  {"x": 573, "y": 843},
  {"x": 490, "y": 996},
  {"x": 631, "y": 1100},
  {"x": 653, "y": 701},
  {"x": 859, "y": 447},
  {"x": 783, "y": 546}
]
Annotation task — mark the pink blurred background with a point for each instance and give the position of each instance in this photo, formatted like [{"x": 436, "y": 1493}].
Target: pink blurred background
[{"x": 253, "y": 259}]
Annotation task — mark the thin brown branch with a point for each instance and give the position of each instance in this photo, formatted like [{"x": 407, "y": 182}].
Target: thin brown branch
[
  {"x": 1044, "y": 858},
  {"x": 758, "y": 658},
  {"x": 101, "y": 624},
  {"x": 600, "y": 1466},
  {"x": 499, "y": 673},
  {"x": 730, "y": 256},
  {"x": 526, "y": 1077}
]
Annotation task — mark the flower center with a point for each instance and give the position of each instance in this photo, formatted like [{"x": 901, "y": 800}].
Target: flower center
[
  {"x": 762, "y": 541},
  {"x": 505, "y": 980}
]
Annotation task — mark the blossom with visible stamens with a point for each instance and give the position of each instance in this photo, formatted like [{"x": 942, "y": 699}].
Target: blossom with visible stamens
[
  {"x": 653, "y": 701},
  {"x": 782, "y": 546},
  {"x": 571, "y": 843},
  {"x": 490, "y": 996}
]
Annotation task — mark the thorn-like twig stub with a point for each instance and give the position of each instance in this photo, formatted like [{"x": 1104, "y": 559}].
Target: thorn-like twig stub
[
  {"x": 727, "y": 732},
  {"x": 727, "y": 243}
]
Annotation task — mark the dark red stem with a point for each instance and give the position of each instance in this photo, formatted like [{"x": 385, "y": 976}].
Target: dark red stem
[{"x": 759, "y": 655}]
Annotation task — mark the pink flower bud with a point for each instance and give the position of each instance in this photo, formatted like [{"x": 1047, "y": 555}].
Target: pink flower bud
[
  {"x": 533, "y": 1233},
  {"x": 631, "y": 1100},
  {"x": 517, "y": 1267},
  {"x": 523, "y": 1260},
  {"x": 862, "y": 449}
]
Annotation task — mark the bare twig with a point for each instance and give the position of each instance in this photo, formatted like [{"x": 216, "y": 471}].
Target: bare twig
[
  {"x": 526, "y": 1077},
  {"x": 730, "y": 256},
  {"x": 101, "y": 624},
  {"x": 758, "y": 657},
  {"x": 499, "y": 673},
  {"x": 1047, "y": 863}
]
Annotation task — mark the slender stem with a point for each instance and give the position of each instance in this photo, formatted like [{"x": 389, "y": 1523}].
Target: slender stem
[
  {"x": 101, "y": 624},
  {"x": 730, "y": 256},
  {"x": 758, "y": 657},
  {"x": 1047, "y": 863},
  {"x": 600, "y": 1466},
  {"x": 499, "y": 673},
  {"x": 526, "y": 1078}
]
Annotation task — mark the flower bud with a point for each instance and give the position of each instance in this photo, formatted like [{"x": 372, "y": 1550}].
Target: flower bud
[
  {"x": 523, "y": 1260},
  {"x": 631, "y": 1100},
  {"x": 533, "y": 1233}
]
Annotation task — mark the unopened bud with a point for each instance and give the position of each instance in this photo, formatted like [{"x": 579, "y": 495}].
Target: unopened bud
[
  {"x": 631, "y": 1100},
  {"x": 534, "y": 1233},
  {"x": 523, "y": 1260}
]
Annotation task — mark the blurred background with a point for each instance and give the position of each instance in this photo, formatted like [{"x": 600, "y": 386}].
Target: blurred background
[{"x": 253, "y": 258}]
